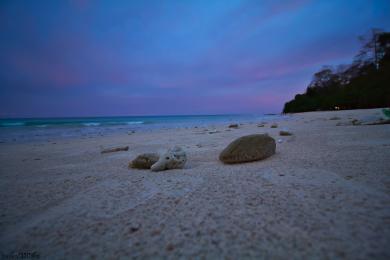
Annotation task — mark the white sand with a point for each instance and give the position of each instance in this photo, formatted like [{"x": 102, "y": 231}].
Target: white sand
[{"x": 324, "y": 194}]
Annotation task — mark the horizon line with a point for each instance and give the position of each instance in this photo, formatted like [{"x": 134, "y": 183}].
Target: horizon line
[{"x": 170, "y": 115}]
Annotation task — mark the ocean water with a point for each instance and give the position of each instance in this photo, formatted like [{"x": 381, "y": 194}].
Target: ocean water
[{"x": 28, "y": 129}]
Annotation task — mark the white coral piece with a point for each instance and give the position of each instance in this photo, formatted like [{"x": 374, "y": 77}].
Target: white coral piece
[{"x": 174, "y": 158}]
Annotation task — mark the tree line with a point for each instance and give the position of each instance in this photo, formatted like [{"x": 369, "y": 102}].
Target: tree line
[{"x": 365, "y": 83}]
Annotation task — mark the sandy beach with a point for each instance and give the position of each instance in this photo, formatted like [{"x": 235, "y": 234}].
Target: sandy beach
[{"x": 325, "y": 194}]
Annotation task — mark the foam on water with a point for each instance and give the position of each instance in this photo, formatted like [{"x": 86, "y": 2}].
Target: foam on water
[
  {"x": 91, "y": 124},
  {"x": 135, "y": 122}
]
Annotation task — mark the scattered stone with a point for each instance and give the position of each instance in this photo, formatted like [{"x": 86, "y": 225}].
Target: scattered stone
[
  {"x": 144, "y": 161},
  {"x": 260, "y": 125},
  {"x": 335, "y": 118},
  {"x": 356, "y": 122},
  {"x": 285, "y": 133},
  {"x": 248, "y": 148},
  {"x": 131, "y": 132},
  {"x": 233, "y": 126},
  {"x": 274, "y": 126},
  {"x": 174, "y": 158},
  {"x": 134, "y": 229},
  {"x": 116, "y": 149}
]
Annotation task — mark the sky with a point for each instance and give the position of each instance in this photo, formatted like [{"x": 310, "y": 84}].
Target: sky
[{"x": 62, "y": 58}]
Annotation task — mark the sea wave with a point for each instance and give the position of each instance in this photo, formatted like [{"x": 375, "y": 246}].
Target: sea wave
[
  {"x": 12, "y": 124},
  {"x": 91, "y": 124},
  {"x": 135, "y": 122}
]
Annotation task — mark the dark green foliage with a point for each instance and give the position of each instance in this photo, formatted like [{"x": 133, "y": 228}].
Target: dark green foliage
[
  {"x": 363, "y": 84},
  {"x": 386, "y": 112}
]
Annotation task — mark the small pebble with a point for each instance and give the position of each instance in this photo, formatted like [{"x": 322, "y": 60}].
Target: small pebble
[{"x": 170, "y": 247}]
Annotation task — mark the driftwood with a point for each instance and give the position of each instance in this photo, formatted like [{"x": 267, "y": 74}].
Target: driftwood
[
  {"x": 116, "y": 149},
  {"x": 285, "y": 133},
  {"x": 380, "y": 122}
]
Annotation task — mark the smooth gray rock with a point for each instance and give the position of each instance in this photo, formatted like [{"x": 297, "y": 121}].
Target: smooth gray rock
[
  {"x": 249, "y": 148},
  {"x": 144, "y": 161}
]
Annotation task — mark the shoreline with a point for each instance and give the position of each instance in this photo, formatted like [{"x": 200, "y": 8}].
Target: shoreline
[
  {"x": 28, "y": 134},
  {"x": 325, "y": 194}
]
